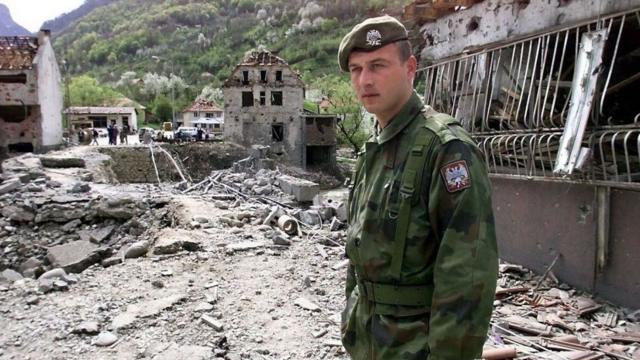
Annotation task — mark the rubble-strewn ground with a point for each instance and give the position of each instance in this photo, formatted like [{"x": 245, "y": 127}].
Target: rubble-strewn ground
[{"x": 200, "y": 274}]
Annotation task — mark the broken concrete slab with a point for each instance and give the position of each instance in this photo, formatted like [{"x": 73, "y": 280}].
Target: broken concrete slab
[
  {"x": 171, "y": 241},
  {"x": 145, "y": 309},
  {"x": 9, "y": 186},
  {"x": 301, "y": 189},
  {"x": 102, "y": 234},
  {"x": 215, "y": 324},
  {"x": 61, "y": 162},
  {"x": 21, "y": 214},
  {"x": 76, "y": 256}
]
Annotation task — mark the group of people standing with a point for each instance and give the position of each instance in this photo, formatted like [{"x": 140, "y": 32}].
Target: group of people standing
[{"x": 113, "y": 131}]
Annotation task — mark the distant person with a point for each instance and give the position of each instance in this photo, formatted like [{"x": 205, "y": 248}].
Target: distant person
[
  {"x": 113, "y": 133},
  {"x": 199, "y": 134},
  {"x": 95, "y": 135},
  {"x": 81, "y": 136},
  {"x": 124, "y": 134}
]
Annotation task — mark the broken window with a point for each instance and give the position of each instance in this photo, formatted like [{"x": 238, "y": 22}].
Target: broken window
[
  {"x": 14, "y": 114},
  {"x": 245, "y": 77},
  {"x": 247, "y": 98},
  {"x": 279, "y": 75},
  {"x": 13, "y": 79},
  {"x": 277, "y": 132},
  {"x": 263, "y": 98},
  {"x": 263, "y": 76},
  {"x": 276, "y": 98}
]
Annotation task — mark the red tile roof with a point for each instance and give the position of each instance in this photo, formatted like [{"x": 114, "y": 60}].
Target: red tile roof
[
  {"x": 204, "y": 106},
  {"x": 17, "y": 52}
]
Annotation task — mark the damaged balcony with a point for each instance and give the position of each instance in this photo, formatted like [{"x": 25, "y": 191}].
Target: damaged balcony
[{"x": 557, "y": 118}]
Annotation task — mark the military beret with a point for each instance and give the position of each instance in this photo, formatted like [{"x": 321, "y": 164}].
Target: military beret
[{"x": 370, "y": 35}]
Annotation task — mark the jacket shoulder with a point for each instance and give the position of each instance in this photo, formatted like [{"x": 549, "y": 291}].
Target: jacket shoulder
[{"x": 445, "y": 127}]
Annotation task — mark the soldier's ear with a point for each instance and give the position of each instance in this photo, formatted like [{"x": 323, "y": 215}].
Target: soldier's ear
[{"x": 411, "y": 68}]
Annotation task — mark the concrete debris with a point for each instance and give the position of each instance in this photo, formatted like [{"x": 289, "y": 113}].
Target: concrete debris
[
  {"x": 105, "y": 339},
  {"x": 306, "y": 304},
  {"x": 226, "y": 271},
  {"x": 215, "y": 324},
  {"x": 76, "y": 256},
  {"x": 136, "y": 250}
]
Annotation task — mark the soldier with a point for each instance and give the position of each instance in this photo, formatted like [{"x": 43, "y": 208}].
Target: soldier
[{"x": 421, "y": 238}]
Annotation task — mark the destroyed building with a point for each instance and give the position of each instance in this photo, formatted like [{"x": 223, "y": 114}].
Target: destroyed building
[
  {"x": 549, "y": 92},
  {"x": 264, "y": 105},
  {"x": 205, "y": 115},
  {"x": 31, "y": 101}
]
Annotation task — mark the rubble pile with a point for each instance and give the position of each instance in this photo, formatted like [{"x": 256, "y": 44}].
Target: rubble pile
[
  {"x": 537, "y": 317},
  {"x": 45, "y": 224}
]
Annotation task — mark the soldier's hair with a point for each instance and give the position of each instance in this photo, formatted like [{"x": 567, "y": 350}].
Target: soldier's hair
[{"x": 404, "y": 49}]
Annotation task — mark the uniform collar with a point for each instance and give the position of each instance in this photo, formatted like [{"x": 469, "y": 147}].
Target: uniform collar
[{"x": 401, "y": 119}]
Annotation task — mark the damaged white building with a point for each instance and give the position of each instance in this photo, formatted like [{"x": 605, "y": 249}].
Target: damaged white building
[{"x": 31, "y": 101}]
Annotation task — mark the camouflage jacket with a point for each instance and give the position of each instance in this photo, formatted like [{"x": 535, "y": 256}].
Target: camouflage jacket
[{"x": 435, "y": 302}]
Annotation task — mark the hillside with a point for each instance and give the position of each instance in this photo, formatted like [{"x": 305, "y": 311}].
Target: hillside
[
  {"x": 65, "y": 20},
  {"x": 203, "y": 40},
  {"x": 8, "y": 27}
]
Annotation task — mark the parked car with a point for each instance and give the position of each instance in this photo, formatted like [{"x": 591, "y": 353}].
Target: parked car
[{"x": 186, "y": 133}]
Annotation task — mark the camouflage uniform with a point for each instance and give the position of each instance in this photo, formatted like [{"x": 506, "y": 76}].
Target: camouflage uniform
[{"x": 432, "y": 298}]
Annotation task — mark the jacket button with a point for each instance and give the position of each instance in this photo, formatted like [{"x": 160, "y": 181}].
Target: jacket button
[{"x": 357, "y": 242}]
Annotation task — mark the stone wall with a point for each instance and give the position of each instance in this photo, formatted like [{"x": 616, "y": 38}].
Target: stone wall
[{"x": 133, "y": 164}]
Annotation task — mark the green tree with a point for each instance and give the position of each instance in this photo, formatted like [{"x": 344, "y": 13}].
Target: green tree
[
  {"x": 351, "y": 117},
  {"x": 86, "y": 91},
  {"x": 162, "y": 108}
]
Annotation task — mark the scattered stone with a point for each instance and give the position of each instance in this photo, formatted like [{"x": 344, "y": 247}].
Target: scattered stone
[
  {"x": 57, "y": 273},
  {"x": 10, "y": 275},
  {"x": 9, "y": 186},
  {"x": 310, "y": 217},
  {"x": 137, "y": 250},
  {"x": 201, "y": 219},
  {"x": 76, "y": 256},
  {"x": 105, "y": 339},
  {"x": 157, "y": 284},
  {"x": 204, "y": 306},
  {"x": 215, "y": 324},
  {"x": 79, "y": 188},
  {"x": 87, "y": 327},
  {"x": 45, "y": 285},
  {"x": 281, "y": 239},
  {"x": 306, "y": 304},
  {"x": 72, "y": 225},
  {"x": 302, "y": 190},
  {"x": 102, "y": 234},
  {"x": 32, "y": 267},
  {"x": 319, "y": 333},
  {"x": 166, "y": 272},
  {"x": 60, "y": 285},
  {"x": 114, "y": 260},
  {"x": 32, "y": 300},
  {"x": 21, "y": 214}
]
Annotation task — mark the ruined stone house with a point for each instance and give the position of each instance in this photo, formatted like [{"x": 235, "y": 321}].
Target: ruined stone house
[
  {"x": 31, "y": 94},
  {"x": 264, "y": 105},
  {"x": 548, "y": 89},
  {"x": 205, "y": 115}
]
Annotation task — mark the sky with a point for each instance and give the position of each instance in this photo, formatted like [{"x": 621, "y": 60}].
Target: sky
[{"x": 32, "y": 13}]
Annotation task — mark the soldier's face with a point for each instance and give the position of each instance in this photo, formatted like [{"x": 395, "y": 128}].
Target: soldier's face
[{"x": 382, "y": 81}]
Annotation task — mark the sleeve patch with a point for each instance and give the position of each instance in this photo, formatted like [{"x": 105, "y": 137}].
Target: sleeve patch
[{"x": 456, "y": 176}]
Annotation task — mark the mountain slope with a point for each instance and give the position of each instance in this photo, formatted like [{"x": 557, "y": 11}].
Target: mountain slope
[
  {"x": 65, "y": 20},
  {"x": 202, "y": 40},
  {"x": 8, "y": 27}
]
